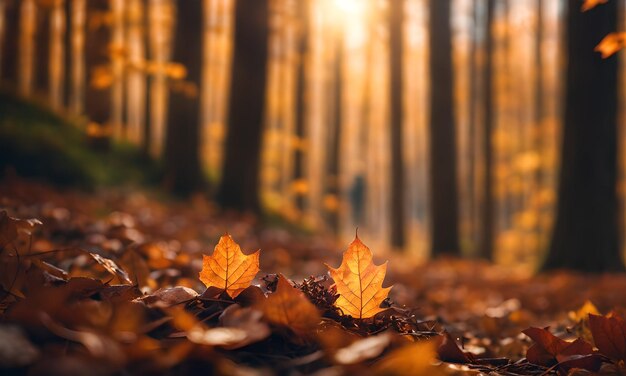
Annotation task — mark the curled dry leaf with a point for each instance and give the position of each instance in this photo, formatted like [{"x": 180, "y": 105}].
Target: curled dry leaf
[
  {"x": 609, "y": 335},
  {"x": 10, "y": 227},
  {"x": 240, "y": 327},
  {"x": 549, "y": 350},
  {"x": 111, "y": 267},
  {"x": 359, "y": 282},
  {"x": 228, "y": 268},
  {"x": 364, "y": 349},
  {"x": 449, "y": 351},
  {"x": 289, "y": 307},
  {"x": 168, "y": 297}
]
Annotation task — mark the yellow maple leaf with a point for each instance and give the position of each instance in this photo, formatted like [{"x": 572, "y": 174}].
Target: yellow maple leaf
[
  {"x": 611, "y": 44},
  {"x": 228, "y": 268},
  {"x": 590, "y": 4},
  {"x": 359, "y": 282},
  {"x": 288, "y": 307}
]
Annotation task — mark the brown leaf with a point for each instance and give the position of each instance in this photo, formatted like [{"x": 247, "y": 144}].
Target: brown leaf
[
  {"x": 359, "y": 282},
  {"x": 550, "y": 350},
  {"x": 228, "y": 268},
  {"x": 546, "y": 347},
  {"x": 450, "y": 352},
  {"x": 240, "y": 327},
  {"x": 168, "y": 297},
  {"x": 10, "y": 227},
  {"x": 609, "y": 335},
  {"x": 289, "y": 307},
  {"x": 111, "y": 267},
  {"x": 364, "y": 349},
  {"x": 414, "y": 359}
]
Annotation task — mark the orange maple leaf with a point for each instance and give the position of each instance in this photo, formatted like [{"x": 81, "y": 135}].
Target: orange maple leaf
[
  {"x": 228, "y": 268},
  {"x": 611, "y": 44},
  {"x": 359, "y": 282},
  {"x": 590, "y": 4},
  {"x": 288, "y": 307}
]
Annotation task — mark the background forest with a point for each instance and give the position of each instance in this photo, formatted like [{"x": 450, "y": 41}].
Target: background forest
[{"x": 479, "y": 145}]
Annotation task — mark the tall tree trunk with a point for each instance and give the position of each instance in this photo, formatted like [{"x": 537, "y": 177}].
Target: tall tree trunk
[
  {"x": 240, "y": 173},
  {"x": 301, "y": 92},
  {"x": 443, "y": 188},
  {"x": 182, "y": 148},
  {"x": 9, "y": 43},
  {"x": 98, "y": 62},
  {"x": 396, "y": 50},
  {"x": 42, "y": 46},
  {"x": 487, "y": 229},
  {"x": 67, "y": 58},
  {"x": 538, "y": 103},
  {"x": 586, "y": 230},
  {"x": 335, "y": 116}
]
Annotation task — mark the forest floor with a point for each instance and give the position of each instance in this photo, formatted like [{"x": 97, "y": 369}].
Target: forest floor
[{"x": 108, "y": 283}]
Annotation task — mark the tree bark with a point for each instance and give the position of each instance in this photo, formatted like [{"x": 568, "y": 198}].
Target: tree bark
[
  {"x": 396, "y": 44},
  {"x": 443, "y": 163},
  {"x": 98, "y": 36},
  {"x": 586, "y": 230},
  {"x": 240, "y": 174},
  {"x": 487, "y": 227},
  {"x": 9, "y": 43},
  {"x": 301, "y": 91},
  {"x": 182, "y": 144},
  {"x": 42, "y": 46}
]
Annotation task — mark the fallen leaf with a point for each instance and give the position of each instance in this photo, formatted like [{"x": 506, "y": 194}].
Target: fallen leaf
[
  {"x": 549, "y": 350},
  {"x": 609, "y": 335},
  {"x": 111, "y": 267},
  {"x": 359, "y": 282},
  {"x": 228, "y": 268},
  {"x": 289, "y": 307},
  {"x": 10, "y": 227},
  {"x": 449, "y": 351},
  {"x": 247, "y": 319},
  {"x": 364, "y": 349},
  {"x": 546, "y": 347},
  {"x": 611, "y": 44},
  {"x": 590, "y": 4},
  {"x": 583, "y": 312},
  {"x": 415, "y": 359},
  {"x": 169, "y": 297}
]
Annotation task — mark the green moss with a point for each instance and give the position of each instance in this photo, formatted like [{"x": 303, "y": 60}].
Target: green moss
[{"x": 36, "y": 142}]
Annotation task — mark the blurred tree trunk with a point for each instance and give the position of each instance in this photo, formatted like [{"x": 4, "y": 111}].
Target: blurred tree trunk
[
  {"x": 538, "y": 103},
  {"x": 9, "y": 43},
  {"x": 443, "y": 188},
  {"x": 396, "y": 50},
  {"x": 67, "y": 58},
  {"x": 301, "y": 91},
  {"x": 182, "y": 143},
  {"x": 586, "y": 230},
  {"x": 98, "y": 62},
  {"x": 240, "y": 179},
  {"x": 42, "y": 42},
  {"x": 335, "y": 115},
  {"x": 487, "y": 233}
]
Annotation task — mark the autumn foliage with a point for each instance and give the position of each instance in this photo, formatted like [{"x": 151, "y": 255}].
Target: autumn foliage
[{"x": 124, "y": 308}]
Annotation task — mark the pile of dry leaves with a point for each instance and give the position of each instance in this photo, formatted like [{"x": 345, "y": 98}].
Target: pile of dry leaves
[{"x": 119, "y": 283}]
